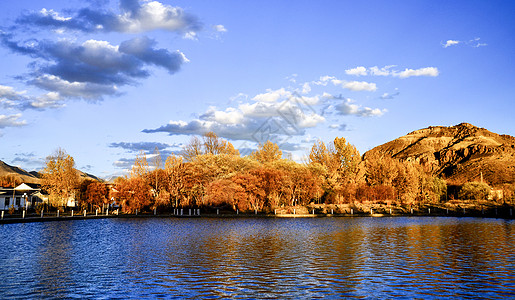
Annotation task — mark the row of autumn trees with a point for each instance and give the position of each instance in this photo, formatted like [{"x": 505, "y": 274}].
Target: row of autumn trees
[{"x": 211, "y": 173}]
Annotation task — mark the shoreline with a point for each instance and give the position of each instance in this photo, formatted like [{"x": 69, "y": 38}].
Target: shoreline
[{"x": 474, "y": 214}]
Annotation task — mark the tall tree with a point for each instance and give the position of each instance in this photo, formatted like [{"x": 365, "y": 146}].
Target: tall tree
[
  {"x": 267, "y": 153},
  {"x": 174, "y": 168},
  {"x": 60, "y": 178},
  {"x": 347, "y": 158},
  {"x": 210, "y": 144},
  {"x": 140, "y": 167},
  {"x": 97, "y": 194}
]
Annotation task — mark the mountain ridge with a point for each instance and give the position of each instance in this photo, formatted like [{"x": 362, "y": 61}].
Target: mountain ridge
[
  {"x": 33, "y": 176},
  {"x": 457, "y": 153}
]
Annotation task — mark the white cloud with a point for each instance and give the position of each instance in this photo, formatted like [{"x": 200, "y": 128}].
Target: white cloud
[
  {"x": 476, "y": 44},
  {"x": 350, "y": 85},
  {"x": 67, "y": 89},
  {"x": 229, "y": 116},
  {"x": 358, "y": 71},
  {"x": 190, "y": 35},
  {"x": 266, "y": 116},
  {"x": 54, "y": 15},
  {"x": 385, "y": 71},
  {"x": 7, "y": 92},
  {"x": 11, "y": 121},
  {"x": 360, "y": 86},
  {"x": 429, "y": 71},
  {"x": 153, "y": 15},
  {"x": 306, "y": 88},
  {"x": 390, "y": 96},
  {"x": 219, "y": 28},
  {"x": 348, "y": 107},
  {"x": 272, "y": 96},
  {"x": 450, "y": 43}
]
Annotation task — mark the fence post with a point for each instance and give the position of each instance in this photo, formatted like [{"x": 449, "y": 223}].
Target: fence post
[
  {"x": 84, "y": 213},
  {"x": 72, "y": 212},
  {"x": 58, "y": 213},
  {"x": 2, "y": 214}
]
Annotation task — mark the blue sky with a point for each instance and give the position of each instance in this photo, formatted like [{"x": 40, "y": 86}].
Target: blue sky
[{"x": 105, "y": 79}]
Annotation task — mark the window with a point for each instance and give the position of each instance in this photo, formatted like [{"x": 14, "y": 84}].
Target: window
[
  {"x": 18, "y": 199},
  {"x": 7, "y": 202}
]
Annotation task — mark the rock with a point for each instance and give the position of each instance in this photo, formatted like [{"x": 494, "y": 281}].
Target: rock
[{"x": 458, "y": 153}]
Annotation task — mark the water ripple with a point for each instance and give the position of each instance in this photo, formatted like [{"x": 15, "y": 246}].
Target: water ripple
[{"x": 259, "y": 258}]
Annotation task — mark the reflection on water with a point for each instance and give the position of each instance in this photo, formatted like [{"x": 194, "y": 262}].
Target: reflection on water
[{"x": 259, "y": 258}]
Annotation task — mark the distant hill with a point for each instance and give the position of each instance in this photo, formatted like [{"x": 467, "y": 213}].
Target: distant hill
[
  {"x": 33, "y": 176},
  {"x": 19, "y": 174},
  {"x": 458, "y": 153}
]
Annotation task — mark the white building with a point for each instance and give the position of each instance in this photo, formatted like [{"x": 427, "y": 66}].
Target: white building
[{"x": 24, "y": 195}]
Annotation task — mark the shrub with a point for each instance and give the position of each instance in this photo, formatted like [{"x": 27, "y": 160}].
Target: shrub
[{"x": 475, "y": 191}]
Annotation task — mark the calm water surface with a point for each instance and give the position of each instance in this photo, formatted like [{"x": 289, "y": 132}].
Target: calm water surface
[{"x": 259, "y": 258}]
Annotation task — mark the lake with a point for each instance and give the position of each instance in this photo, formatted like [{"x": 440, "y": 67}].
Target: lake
[{"x": 397, "y": 257}]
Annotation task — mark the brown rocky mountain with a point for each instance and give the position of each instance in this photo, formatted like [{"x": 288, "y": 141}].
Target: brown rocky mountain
[
  {"x": 19, "y": 174},
  {"x": 32, "y": 177},
  {"x": 458, "y": 153}
]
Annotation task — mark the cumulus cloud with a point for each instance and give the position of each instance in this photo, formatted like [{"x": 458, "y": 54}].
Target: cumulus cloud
[
  {"x": 429, "y": 71},
  {"x": 272, "y": 95},
  {"x": 145, "y": 146},
  {"x": 450, "y": 43},
  {"x": 132, "y": 18},
  {"x": 347, "y": 107},
  {"x": 93, "y": 69},
  {"x": 360, "y": 86},
  {"x": 275, "y": 115},
  {"x": 124, "y": 163},
  {"x": 265, "y": 118},
  {"x": 387, "y": 96},
  {"x": 11, "y": 121},
  {"x": 475, "y": 43},
  {"x": 219, "y": 28},
  {"x": 9, "y": 93},
  {"x": 384, "y": 71},
  {"x": 350, "y": 85},
  {"x": 10, "y": 98},
  {"x": 358, "y": 71},
  {"x": 340, "y": 127}
]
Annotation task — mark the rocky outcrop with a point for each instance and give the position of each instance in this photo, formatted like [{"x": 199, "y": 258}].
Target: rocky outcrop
[{"x": 458, "y": 153}]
